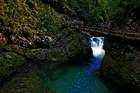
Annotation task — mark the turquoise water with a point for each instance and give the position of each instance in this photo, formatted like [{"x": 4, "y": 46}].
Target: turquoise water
[
  {"x": 83, "y": 78},
  {"x": 72, "y": 79}
]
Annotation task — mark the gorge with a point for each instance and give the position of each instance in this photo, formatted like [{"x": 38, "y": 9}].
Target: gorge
[{"x": 69, "y": 46}]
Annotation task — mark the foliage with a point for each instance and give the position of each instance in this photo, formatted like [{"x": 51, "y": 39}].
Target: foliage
[
  {"x": 122, "y": 11},
  {"x": 34, "y": 16},
  {"x": 94, "y": 11}
]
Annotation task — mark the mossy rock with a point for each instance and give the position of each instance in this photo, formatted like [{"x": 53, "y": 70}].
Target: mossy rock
[
  {"x": 67, "y": 46},
  {"x": 9, "y": 62},
  {"x": 57, "y": 56},
  {"x": 119, "y": 67},
  {"x": 35, "y": 54},
  {"x": 25, "y": 83}
]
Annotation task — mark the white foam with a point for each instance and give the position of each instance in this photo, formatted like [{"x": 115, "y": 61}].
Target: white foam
[{"x": 97, "y": 44}]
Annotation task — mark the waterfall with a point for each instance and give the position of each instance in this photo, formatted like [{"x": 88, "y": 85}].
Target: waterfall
[
  {"x": 96, "y": 44},
  {"x": 81, "y": 84}
]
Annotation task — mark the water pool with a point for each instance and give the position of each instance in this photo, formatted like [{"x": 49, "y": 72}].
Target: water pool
[{"x": 72, "y": 79}]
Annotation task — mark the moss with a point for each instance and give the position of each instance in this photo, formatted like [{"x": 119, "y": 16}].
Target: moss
[
  {"x": 35, "y": 54},
  {"x": 21, "y": 17},
  {"x": 58, "y": 56},
  {"x": 9, "y": 62},
  {"x": 26, "y": 83}
]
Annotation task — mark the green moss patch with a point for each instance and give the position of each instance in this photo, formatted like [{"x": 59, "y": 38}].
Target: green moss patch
[
  {"x": 9, "y": 62},
  {"x": 21, "y": 17}
]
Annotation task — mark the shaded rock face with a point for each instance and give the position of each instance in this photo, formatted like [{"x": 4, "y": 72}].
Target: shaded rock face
[
  {"x": 67, "y": 46},
  {"x": 121, "y": 66},
  {"x": 25, "y": 81}
]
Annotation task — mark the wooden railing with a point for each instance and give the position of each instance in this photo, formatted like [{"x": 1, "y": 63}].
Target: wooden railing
[{"x": 105, "y": 31}]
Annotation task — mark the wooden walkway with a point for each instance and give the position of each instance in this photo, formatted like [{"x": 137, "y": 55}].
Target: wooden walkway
[{"x": 105, "y": 31}]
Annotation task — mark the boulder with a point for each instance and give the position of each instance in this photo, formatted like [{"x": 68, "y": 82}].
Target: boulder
[{"x": 121, "y": 67}]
